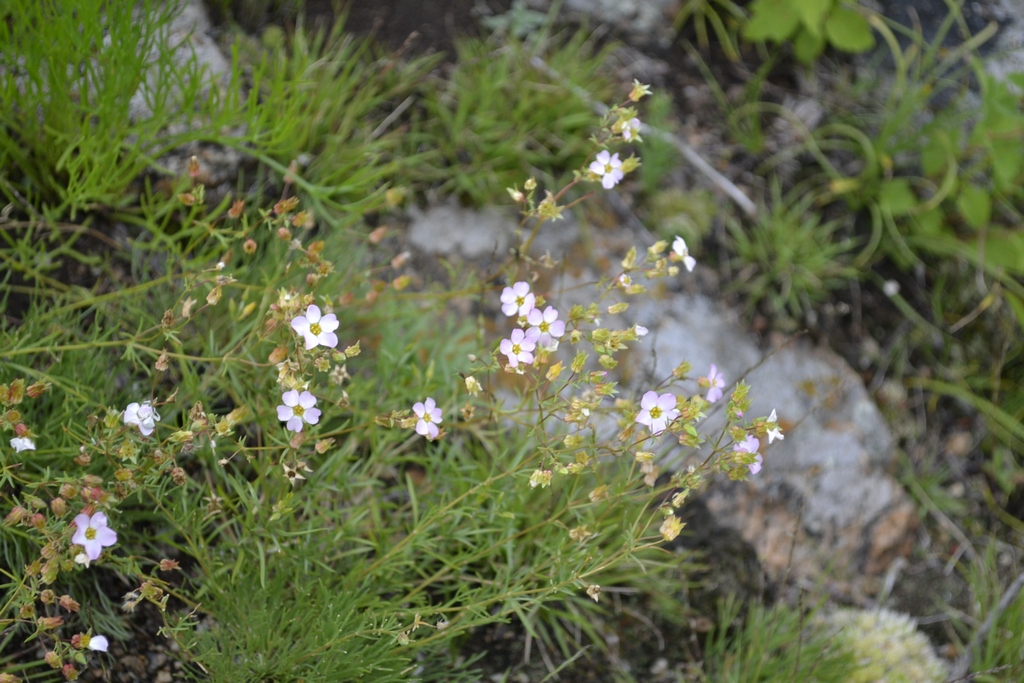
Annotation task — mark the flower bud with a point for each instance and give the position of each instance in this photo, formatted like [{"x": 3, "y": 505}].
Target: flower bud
[
  {"x": 38, "y": 521},
  {"x": 53, "y": 659},
  {"x": 58, "y": 506},
  {"x": 70, "y": 672},
  {"x": 249, "y": 247},
  {"x": 49, "y": 623},
  {"x": 20, "y": 429},
  {"x": 47, "y": 597},
  {"x": 16, "y": 514},
  {"x": 178, "y": 475},
  {"x": 69, "y": 603},
  {"x": 284, "y": 233}
]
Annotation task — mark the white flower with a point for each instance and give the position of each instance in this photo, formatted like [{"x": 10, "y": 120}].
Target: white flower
[
  {"x": 82, "y": 558},
  {"x": 548, "y": 326},
  {"x": 429, "y": 417},
  {"x": 22, "y": 443},
  {"x": 143, "y": 416},
  {"x": 517, "y": 299},
  {"x": 679, "y": 247},
  {"x": 317, "y": 329},
  {"x": 631, "y": 129},
  {"x": 93, "y": 534},
  {"x": 298, "y": 409},
  {"x": 608, "y": 167},
  {"x": 640, "y": 330},
  {"x": 775, "y": 432},
  {"x": 97, "y": 643}
]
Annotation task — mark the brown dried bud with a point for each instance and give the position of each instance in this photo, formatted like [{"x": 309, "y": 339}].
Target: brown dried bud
[
  {"x": 187, "y": 198},
  {"x": 236, "y": 208},
  {"x": 278, "y": 355},
  {"x": 286, "y": 205},
  {"x": 9, "y": 678},
  {"x": 58, "y": 506},
  {"x": 249, "y": 247},
  {"x": 53, "y": 659},
  {"x": 168, "y": 319},
  {"x": 69, "y": 603},
  {"x": 378, "y": 234},
  {"x": 28, "y": 611},
  {"x": 15, "y": 516},
  {"x": 37, "y": 389},
  {"x": 193, "y": 166},
  {"x": 168, "y": 565},
  {"x": 38, "y": 521},
  {"x": 49, "y": 623},
  {"x": 83, "y": 458},
  {"x": 70, "y": 672},
  {"x": 20, "y": 429},
  {"x": 284, "y": 233},
  {"x": 178, "y": 475},
  {"x": 47, "y": 597},
  {"x": 163, "y": 361}
]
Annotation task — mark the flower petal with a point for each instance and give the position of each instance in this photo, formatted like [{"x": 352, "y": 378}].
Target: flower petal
[
  {"x": 99, "y": 643},
  {"x": 290, "y": 398},
  {"x": 300, "y": 324},
  {"x": 284, "y": 413},
  {"x": 311, "y": 416},
  {"x": 313, "y": 314},
  {"x": 307, "y": 400}
]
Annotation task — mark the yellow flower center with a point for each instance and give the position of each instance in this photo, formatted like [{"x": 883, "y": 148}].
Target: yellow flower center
[
  {"x": 297, "y": 411},
  {"x": 315, "y": 328},
  {"x": 520, "y": 300},
  {"x": 607, "y": 168},
  {"x": 655, "y": 412},
  {"x": 90, "y": 533},
  {"x": 516, "y": 349},
  {"x": 544, "y": 326},
  {"x": 427, "y": 417}
]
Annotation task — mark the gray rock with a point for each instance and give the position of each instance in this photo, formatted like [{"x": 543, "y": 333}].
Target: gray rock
[
  {"x": 451, "y": 230},
  {"x": 642, "y": 22},
  {"x": 188, "y": 37}
]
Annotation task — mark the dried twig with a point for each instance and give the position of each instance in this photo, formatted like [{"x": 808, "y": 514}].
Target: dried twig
[{"x": 688, "y": 152}]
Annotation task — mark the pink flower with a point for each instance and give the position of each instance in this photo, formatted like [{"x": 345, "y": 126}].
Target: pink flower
[
  {"x": 750, "y": 445},
  {"x": 93, "y": 534},
  {"x": 657, "y": 412},
  {"x": 548, "y": 326},
  {"x": 316, "y": 329},
  {"x": 517, "y": 299},
  {"x": 429, "y": 417},
  {"x": 298, "y": 409},
  {"x": 519, "y": 346},
  {"x": 608, "y": 167},
  {"x": 716, "y": 381}
]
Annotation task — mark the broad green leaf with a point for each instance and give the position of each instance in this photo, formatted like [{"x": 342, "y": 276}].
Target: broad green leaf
[
  {"x": 771, "y": 20},
  {"x": 1006, "y": 164},
  {"x": 849, "y": 31},
  {"x": 812, "y": 14},
  {"x": 807, "y": 46},
  {"x": 928, "y": 223},
  {"x": 935, "y": 154},
  {"x": 897, "y": 197},
  {"x": 975, "y": 204},
  {"x": 1002, "y": 249}
]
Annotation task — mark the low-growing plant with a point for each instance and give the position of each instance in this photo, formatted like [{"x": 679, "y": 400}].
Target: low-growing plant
[
  {"x": 245, "y": 432},
  {"x": 788, "y": 257},
  {"x": 723, "y": 16},
  {"x": 498, "y": 118},
  {"x": 810, "y": 25}
]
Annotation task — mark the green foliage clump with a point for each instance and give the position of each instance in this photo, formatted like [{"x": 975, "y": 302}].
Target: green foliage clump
[
  {"x": 498, "y": 118},
  {"x": 787, "y": 257},
  {"x": 809, "y": 25}
]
